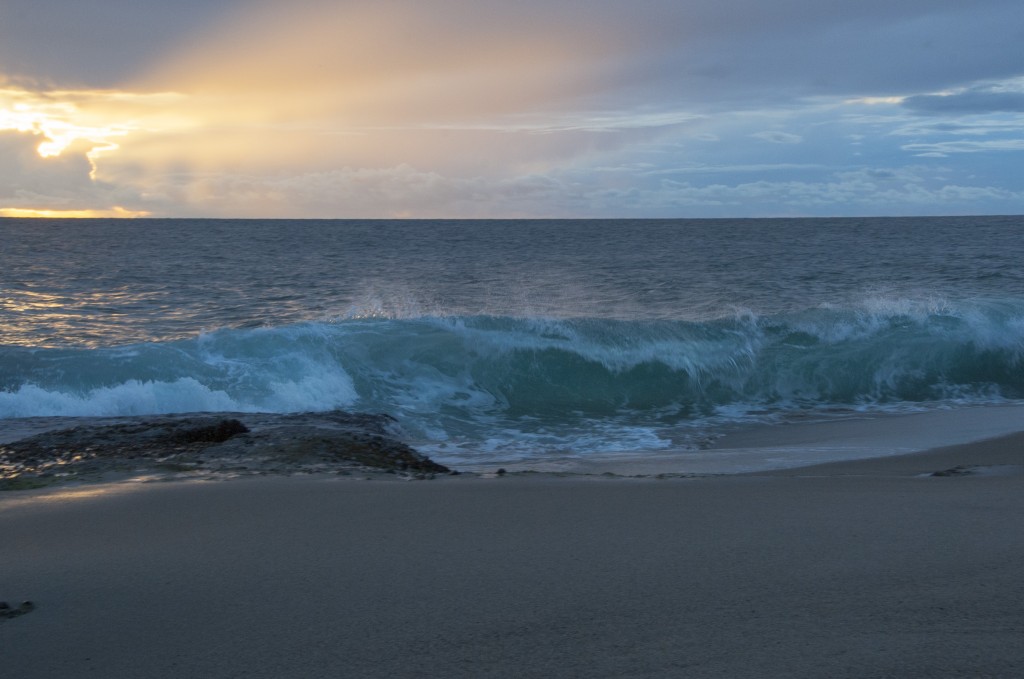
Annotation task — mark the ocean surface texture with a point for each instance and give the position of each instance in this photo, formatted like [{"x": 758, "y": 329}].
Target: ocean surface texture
[{"x": 504, "y": 341}]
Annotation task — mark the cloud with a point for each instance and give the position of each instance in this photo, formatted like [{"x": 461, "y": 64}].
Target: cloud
[
  {"x": 861, "y": 192},
  {"x": 24, "y": 171},
  {"x": 707, "y": 169},
  {"x": 57, "y": 43},
  {"x": 736, "y": 54},
  {"x": 400, "y": 191},
  {"x": 974, "y": 126},
  {"x": 51, "y": 142},
  {"x": 31, "y": 183},
  {"x": 485, "y": 108},
  {"x": 980, "y": 98},
  {"x": 966, "y": 102},
  {"x": 696, "y": 55},
  {"x": 778, "y": 137},
  {"x": 404, "y": 191},
  {"x": 966, "y": 146}
]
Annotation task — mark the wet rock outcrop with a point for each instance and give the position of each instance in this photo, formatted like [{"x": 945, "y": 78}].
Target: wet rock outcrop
[{"x": 219, "y": 443}]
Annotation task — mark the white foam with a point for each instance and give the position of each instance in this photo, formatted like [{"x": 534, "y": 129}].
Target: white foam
[
  {"x": 136, "y": 397},
  {"x": 133, "y": 397}
]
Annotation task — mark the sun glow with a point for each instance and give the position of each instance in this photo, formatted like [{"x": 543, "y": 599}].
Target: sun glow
[
  {"x": 59, "y": 121},
  {"x": 71, "y": 214},
  {"x": 277, "y": 111},
  {"x": 65, "y": 128}
]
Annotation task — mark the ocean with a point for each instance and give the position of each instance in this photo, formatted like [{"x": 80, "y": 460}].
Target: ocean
[{"x": 515, "y": 341}]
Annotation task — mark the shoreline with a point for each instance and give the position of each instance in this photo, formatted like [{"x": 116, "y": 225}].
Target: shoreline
[
  {"x": 149, "y": 447},
  {"x": 864, "y": 568},
  {"x": 763, "y": 448},
  {"x": 1001, "y": 455}
]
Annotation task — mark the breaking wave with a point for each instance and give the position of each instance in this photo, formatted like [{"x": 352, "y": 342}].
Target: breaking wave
[{"x": 492, "y": 383}]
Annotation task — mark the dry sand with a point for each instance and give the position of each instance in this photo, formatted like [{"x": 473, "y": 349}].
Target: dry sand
[{"x": 853, "y": 569}]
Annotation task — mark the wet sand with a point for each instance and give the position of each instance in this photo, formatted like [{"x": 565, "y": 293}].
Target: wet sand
[{"x": 867, "y": 568}]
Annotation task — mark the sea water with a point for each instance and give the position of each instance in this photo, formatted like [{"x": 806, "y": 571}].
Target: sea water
[{"x": 514, "y": 340}]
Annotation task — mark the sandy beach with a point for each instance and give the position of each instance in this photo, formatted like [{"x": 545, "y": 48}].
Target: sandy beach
[{"x": 869, "y": 568}]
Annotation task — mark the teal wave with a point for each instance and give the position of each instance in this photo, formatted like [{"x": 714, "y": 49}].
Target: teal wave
[{"x": 461, "y": 376}]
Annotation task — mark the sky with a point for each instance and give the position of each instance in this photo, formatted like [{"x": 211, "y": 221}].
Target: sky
[{"x": 487, "y": 109}]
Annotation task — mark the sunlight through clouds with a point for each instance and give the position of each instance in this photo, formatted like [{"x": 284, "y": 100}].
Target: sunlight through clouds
[
  {"x": 64, "y": 117},
  {"x": 57, "y": 120},
  {"x": 91, "y": 124},
  {"x": 312, "y": 109}
]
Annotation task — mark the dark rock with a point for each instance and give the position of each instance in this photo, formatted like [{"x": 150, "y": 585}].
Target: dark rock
[
  {"x": 954, "y": 471},
  {"x": 7, "y": 612},
  {"x": 234, "y": 443},
  {"x": 215, "y": 433}
]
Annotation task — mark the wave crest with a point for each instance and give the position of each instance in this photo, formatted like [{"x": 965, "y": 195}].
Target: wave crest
[{"x": 464, "y": 378}]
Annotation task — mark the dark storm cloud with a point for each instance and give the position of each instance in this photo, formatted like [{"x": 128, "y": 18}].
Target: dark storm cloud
[
  {"x": 96, "y": 43},
  {"x": 695, "y": 53},
  {"x": 748, "y": 53}
]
